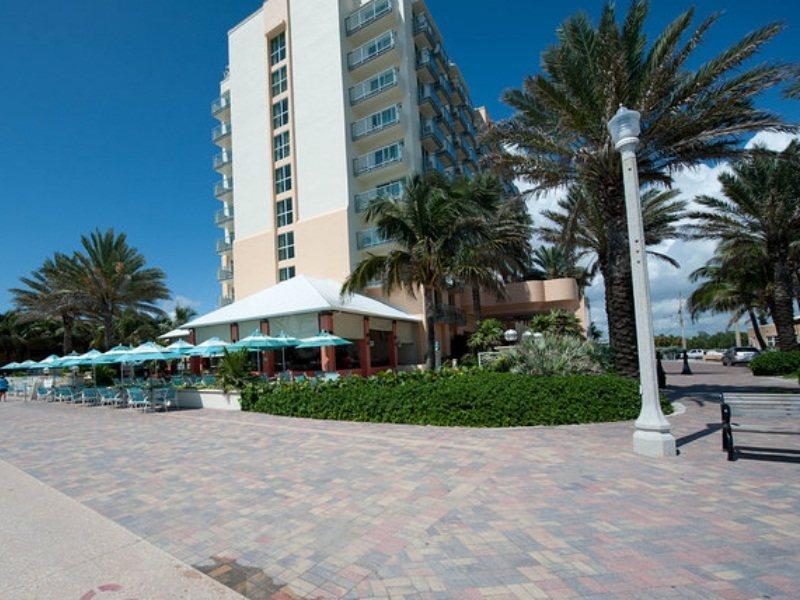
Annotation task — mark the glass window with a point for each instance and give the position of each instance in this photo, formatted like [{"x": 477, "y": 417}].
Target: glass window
[
  {"x": 286, "y": 246},
  {"x": 277, "y": 49},
  {"x": 280, "y": 146},
  {"x": 283, "y": 212},
  {"x": 280, "y": 113},
  {"x": 285, "y": 273},
  {"x": 283, "y": 179},
  {"x": 279, "y": 81}
]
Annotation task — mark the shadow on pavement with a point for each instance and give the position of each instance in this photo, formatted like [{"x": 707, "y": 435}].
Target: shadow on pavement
[
  {"x": 250, "y": 582},
  {"x": 687, "y": 439}
]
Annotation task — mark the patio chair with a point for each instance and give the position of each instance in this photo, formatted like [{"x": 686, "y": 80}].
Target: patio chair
[
  {"x": 300, "y": 378},
  {"x": 137, "y": 398},
  {"x": 332, "y": 377},
  {"x": 90, "y": 396},
  {"x": 44, "y": 394},
  {"x": 209, "y": 380},
  {"x": 62, "y": 394},
  {"x": 165, "y": 398},
  {"x": 285, "y": 377},
  {"x": 110, "y": 396},
  {"x": 177, "y": 381}
]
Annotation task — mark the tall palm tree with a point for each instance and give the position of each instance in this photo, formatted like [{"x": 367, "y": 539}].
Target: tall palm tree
[
  {"x": 689, "y": 116},
  {"x": 49, "y": 293},
  {"x": 429, "y": 228},
  {"x": 113, "y": 277},
  {"x": 559, "y": 260},
  {"x": 759, "y": 214}
]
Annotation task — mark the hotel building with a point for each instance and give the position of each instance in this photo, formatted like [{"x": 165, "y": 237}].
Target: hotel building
[{"x": 325, "y": 106}]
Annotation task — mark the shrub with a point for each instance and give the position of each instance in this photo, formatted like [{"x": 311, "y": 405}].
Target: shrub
[
  {"x": 234, "y": 370},
  {"x": 776, "y": 362},
  {"x": 556, "y": 322},
  {"x": 471, "y": 398},
  {"x": 557, "y": 355},
  {"x": 488, "y": 335}
]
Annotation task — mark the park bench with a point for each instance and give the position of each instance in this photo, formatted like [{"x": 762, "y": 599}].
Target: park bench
[{"x": 758, "y": 413}]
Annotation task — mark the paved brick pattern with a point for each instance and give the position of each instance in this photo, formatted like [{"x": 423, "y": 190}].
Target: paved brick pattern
[{"x": 291, "y": 508}]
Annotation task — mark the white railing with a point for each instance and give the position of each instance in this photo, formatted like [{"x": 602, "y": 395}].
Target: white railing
[
  {"x": 393, "y": 189},
  {"x": 370, "y": 237},
  {"x": 374, "y": 86},
  {"x": 367, "y": 14},
  {"x": 224, "y": 215},
  {"x": 220, "y": 131},
  {"x": 222, "y": 158},
  {"x": 224, "y": 274},
  {"x": 224, "y": 101},
  {"x": 372, "y": 49},
  {"x": 381, "y": 157},
  {"x": 376, "y": 121},
  {"x": 223, "y": 187}
]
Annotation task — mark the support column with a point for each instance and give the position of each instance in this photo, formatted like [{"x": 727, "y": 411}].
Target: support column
[
  {"x": 393, "y": 347},
  {"x": 268, "y": 357},
  {"x": 327, "y": 353},
  {"x": 195, "y": 362},
  {"x": 364, "y": 351},
  {"x": 234, "y": 332}
]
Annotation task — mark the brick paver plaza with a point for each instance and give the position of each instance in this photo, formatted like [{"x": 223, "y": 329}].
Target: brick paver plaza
[{"x": 288, "y": 508}]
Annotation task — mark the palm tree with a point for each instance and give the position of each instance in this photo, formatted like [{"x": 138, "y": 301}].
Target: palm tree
[
  {"x": 560, "y": 260},
  {"x": 759, "y": 215},
  {"x": 689, "y": 116},
  {"x": 429, "y": 228},
  {"x": 49, "y": 293},
  {"x": 113, "y": 278}
]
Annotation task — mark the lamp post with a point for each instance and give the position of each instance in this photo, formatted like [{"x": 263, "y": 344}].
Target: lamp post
[{"x": 652, "y": 436}]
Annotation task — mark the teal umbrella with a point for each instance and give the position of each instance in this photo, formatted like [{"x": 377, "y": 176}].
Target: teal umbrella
[
  {"x": 181, "y": 347},
  {"x": 323, "y": 338},
  {"x": 286, "y": 341},
  {"x": 50, "y": 362},
  {"x": 258, "y": 341},
  {"x": 210, "y": 348},
  {"x": 147, "y": 352},
  {"x": 27, "y": 364},
  {"x": 88, "y": 358},
  {"x": 10, "y": 366},
  {"x": 114, "y": 356}
]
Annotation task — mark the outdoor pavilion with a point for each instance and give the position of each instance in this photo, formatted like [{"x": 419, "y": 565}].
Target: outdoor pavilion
[{"x": 303, "y": 306}]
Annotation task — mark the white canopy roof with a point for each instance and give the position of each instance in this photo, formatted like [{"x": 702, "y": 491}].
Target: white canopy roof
[
  {"x": 301, "y": 294},
  {"x": 175, "y": 333}
]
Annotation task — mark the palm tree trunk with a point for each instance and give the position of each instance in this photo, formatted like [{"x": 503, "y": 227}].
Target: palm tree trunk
[
  {"x": 108, "y": 331},
  {"x": 476, "y": 303},
  {"x": 783, "y": 309},
  {"x": 67, "y": 322},
  {"x": 756, "y": 329},
  {"x": 429, "y": 301}
]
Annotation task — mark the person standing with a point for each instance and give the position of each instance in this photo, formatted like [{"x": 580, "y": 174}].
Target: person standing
[{"x": 3, "y": 387}]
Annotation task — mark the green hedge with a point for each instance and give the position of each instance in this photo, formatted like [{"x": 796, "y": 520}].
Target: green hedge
[
  {"x": 776, "y": 362},
  {"x": 471, "y": 398}
]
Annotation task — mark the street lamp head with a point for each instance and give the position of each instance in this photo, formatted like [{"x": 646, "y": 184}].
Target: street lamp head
[
  {"x": 624, "y": 127},
  {"x": 510, "y": 335}
]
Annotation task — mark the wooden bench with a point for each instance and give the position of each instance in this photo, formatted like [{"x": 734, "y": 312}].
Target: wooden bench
[{"x": 758, "y": 413}]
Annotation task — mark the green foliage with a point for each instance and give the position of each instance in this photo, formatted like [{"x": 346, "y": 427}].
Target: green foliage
[
  {"x": 556, "y": 355},
  {"x": 104, "y": 375},
  {"x": 556, "y": 322},
  {"x": 234, "y": 369},
  {"x": 488, "y": 335},
  {"x": 469, "y": 398},
  {"x": 703, "y": 340},
  {"x": 776, "y": 362}
]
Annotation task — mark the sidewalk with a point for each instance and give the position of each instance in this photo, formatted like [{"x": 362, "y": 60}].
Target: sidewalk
[{"x": 53, "y": 547}]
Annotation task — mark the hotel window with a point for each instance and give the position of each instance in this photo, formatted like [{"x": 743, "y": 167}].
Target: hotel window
[
  {"x": 277, "y": 49},
  {"x": 284, "y": 213},
  {"x": 280, "y": 146},
  {"x": 286, "y": 246},
  {"x": 279, "y": 81},
  {"x": 280, "y": 113},
  {"x": 283, "y": 179},
  {"x": 285, "y": 273}
]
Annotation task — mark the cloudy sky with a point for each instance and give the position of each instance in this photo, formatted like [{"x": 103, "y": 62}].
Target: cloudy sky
[{"x": 667, "y": 282}]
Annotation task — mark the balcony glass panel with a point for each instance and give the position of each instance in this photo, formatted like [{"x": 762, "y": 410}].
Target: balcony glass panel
[
  {"x": 224, "y": 215},
  {"x": 369, "y": 238},
  {"x": 376, "y": 121},
  {"x": 224, "y": 274},
  {"x": 379, "y": 158},
  {"x": 373, "y": 48},
  {"x": 220, "y": 131},
  {"x": 367, "y": 14},
  {"x": 221, "y": 103},
  {"x": 222, "y": 158},
  {"x": 223, "y": 187},
  {"x": 373, "y": 86},
  {"x": 393, "y": 189}
]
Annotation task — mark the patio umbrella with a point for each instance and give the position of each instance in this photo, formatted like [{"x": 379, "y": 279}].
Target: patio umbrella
[
  {"x": 27, "y": 364},
  {"x": 148, "y": 351},
  {"x": 210, "y": 348},
  {"x": 181, "y": 347},
  {"x": 257, "y": 341},
  {"x": 50, "y": 362},
  {"x": 286, "y": 341},
  {"x": 114, "y": 356},
  {"x": 323, "y": 338},
  {"x": 10, "y": 366}
]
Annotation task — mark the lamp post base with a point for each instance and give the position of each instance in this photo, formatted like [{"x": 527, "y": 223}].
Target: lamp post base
[{"x": 654, "y": 443}]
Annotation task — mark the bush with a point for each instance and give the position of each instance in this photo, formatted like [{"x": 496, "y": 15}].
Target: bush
[
  {"x": 776, "y": 362},
  {"x": 557, "y": 355},
  {"x": 471, "y": 398}
]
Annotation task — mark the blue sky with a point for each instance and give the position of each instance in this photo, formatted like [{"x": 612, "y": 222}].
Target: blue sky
[{"x": 106, "y": 112}]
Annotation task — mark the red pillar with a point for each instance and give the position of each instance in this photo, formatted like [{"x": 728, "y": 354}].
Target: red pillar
[
  {"x": 393, "y": 346},
  {"x": 268, "y": 357},
  {"x": 195, "y": 362},
  {"x": 327, "y": 353},
  {"x": 364, "y": 351},
  {"x": 234, "y": 332}
]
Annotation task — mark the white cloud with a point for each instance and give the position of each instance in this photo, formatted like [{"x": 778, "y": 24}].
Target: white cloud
[
  {"x": 169, "y": 305},
  {"x": 667, "y": 282}
]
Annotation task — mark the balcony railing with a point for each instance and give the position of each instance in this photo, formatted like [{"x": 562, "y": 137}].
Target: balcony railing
[
  {"x": 224, "y": 301},
  {"x": 448, "y": 119},
  {"x": 368, "y": 238},
  {"x": 422, "y": 24},
  {"x": 372, "y": 49},
  {"x": 426, "y": 59},
  {"x": 224, "y": 275},
  {"x": 431, "y": 162},
  {"x": 377, "y": 159},
  {"x": 367, "y": 14},
  {"x": 221, "y": 103},
  {"x": 224, "y": 246},
  {"x": 430, "y": 129},
  {"x": 224, "y": 215},
  {"x": 376, "y": 121},
  {"x": 387, "y": 190},
  {"x": 222, "y": 158},
  {"x": 374, "y": 85},
  {"x": 220, "y": 131},
  {"x": 224, "y": 187},
  {"x": 427, "y": 93}
]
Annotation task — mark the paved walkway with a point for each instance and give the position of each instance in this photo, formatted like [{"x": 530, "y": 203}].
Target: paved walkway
[{"x": 287, "y": 508}]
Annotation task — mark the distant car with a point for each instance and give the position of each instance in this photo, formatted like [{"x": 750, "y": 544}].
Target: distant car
[
  {"x": 713, "y": 355},
  {"x": 739, "y": 355},
  {"x": 696, "y": 354}
]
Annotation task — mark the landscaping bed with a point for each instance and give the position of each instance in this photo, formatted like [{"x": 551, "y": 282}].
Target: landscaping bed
[{"x": 471, "y": 398}]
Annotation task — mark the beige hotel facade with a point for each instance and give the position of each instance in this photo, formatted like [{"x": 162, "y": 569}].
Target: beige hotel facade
[{"x": 325, "y": 105}]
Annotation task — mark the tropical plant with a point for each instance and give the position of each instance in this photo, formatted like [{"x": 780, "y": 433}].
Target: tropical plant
[
  {"x": 112, "y": 277},
  {"x": 556, "y": 355},
  {"x": 689, "y": 116},
  {"x": 433, "y": 233},
  {"x": 558, "y": 260},
  {"x": 49, "y": 293},
  {"x": 759, "y": 215},
  {"x": 556, "y": 322},
  {"x": 488, "y": 334},
  {"x": 776, "y": 363},
  {"x": 234, "y": 369}
]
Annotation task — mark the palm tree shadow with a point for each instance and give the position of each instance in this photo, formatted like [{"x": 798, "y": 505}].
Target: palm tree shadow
[{"x": 250, "y": 582}]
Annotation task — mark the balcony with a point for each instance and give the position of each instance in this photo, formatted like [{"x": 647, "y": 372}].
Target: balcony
[
  {"x": 424, "y": 35},
  {"x": 224, "y": 216},
  {"x": 376, "y": 122},
  {"x": 369, "y": 238},
  {"x": 444, "y": 313},
  {"x": 427, "y": 69},
  {"x": 224, "y": 301},
  {"x": 221, "y": 134},
  {"x": 374, "y": 86},
  {"x": 445, "y": 89},
  {"x": 431, "y": 136},
  {"x": 224, "y": 246},
  {"x": 380, "y": 158},
  {"x": 223, "y": 188},
  {"x": 431, "y": 162},
  {"x": 224, "y": 275},
  {"x": 429, "y": 103},
  {"x": 447, "y": 119},
  {"x": 366, "y": 15},
  {"x": 448, "y": 154},
  {"x": 221, "y": 105},
  {"x": 223, "y": 161},
  {"x": 391, "y": 190},
  {"x": 371, "y": 50}
]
